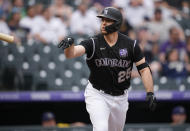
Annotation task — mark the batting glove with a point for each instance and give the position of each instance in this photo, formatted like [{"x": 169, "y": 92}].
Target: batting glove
[
  {"x": 151, "y": 99},
  {"x": 67, "y": 42}
]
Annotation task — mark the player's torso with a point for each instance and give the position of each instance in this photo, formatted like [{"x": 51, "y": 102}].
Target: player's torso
[{"x": 111, "y": 65}]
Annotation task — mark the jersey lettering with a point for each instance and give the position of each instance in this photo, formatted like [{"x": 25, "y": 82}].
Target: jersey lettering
[{"x": 112, "y": 62}]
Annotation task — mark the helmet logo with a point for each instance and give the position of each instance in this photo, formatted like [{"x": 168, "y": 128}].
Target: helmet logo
[{"x": 106, "y": 11}]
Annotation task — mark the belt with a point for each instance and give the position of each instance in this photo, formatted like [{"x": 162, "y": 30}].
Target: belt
[{"x": 112, "y": 93}]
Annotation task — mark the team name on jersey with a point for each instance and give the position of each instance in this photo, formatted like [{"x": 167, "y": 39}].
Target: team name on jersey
[{"x": 112, "y": 62}]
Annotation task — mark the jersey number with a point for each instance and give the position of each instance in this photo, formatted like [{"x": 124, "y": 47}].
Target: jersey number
[{"x": 124, "y": 75}]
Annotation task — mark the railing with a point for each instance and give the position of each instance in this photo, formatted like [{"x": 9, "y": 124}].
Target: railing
[
  {"x": 50, "y": 96},
  {"x": 128, "y": 127}
]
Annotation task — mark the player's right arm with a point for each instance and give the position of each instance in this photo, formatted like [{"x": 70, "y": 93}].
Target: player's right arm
[{"x": 74, "y": 51}]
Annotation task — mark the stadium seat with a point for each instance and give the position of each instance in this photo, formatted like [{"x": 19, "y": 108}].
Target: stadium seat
[
  {"x": 45, "y": 67},
  {"x": 3, "y": 54},
  {"x": 136, "y": 84},
  {"x": 168, "y": 83}
]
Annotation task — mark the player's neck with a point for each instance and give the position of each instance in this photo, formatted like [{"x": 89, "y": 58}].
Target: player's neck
[{"x": 111, "y": 39}]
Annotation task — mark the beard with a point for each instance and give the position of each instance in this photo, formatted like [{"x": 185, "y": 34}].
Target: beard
[{"x": 104, "y": 32}]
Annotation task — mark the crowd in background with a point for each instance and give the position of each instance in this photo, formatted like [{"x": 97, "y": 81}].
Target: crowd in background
[{"x": 160, "y": 28}]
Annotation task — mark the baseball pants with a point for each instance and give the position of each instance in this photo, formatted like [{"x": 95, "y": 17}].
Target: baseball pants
[{"x": 107, "y": 113}]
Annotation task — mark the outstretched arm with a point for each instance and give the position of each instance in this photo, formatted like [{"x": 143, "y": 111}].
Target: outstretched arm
[
  {"x": 70, "y": 50},
  {"x": 74, "y": 51}
]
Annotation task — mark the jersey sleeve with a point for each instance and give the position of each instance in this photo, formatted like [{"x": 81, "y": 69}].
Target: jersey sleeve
[
  {"x": 138, "y": 54},
  {"x": 88, "y": 45}
]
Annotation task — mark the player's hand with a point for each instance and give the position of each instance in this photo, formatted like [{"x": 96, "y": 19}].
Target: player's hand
[
  {"x": 151, "y": 99},
  {"x": 67, "y": 42}
]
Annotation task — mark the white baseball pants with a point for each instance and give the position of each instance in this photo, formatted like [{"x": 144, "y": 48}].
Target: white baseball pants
[{"x": 107, "y": 113}]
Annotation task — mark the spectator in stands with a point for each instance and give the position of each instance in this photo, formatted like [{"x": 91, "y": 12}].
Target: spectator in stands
[
  {"x": 163, "y": 5},
  {"x": 135, "y": 7},
  {"x": 38, "y": 9},
  {"x": 14, "y": 19},
  {"x": 149, "y": 5},
  {"x": 28, "y": 20},
  {"x": 178, "y": 115},
  {"x": 186, "y": 7},
  {"x": 173, "y": 42},
  {"x": 120, "y": 3},
  {"x": 125, "y": 28},
  {"x": 48, "y": 119},
  {"x": 3, "y": 24},
  {"x": 61, "y": 9},
  {"x": 19, "y": 5},
  {"x": 5, "y": 6},
  {"x": 80, "y": 21},
  {"x": 173, "y": 67},
  {"x": 49, "y": 29},
  {"x": 150, "y": 49},
  {"x": 4, "y": 28},
  {"x": 97, "y": 8},
  {"x": 13, "y": 24},
  {"x": 143, "y": 37},
  {"x": 159, "y": 27}
]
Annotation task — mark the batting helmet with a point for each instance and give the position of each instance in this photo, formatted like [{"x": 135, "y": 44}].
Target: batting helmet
[{"x": 113, "y": 14}]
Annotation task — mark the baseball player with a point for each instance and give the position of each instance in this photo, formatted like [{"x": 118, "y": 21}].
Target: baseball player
[{"x": 110, "y": 58}]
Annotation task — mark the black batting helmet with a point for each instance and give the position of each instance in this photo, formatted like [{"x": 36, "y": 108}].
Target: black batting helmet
[{"x": 113, "y": 14}]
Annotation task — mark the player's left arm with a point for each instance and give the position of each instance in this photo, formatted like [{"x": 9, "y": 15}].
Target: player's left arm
[
  {"x": 146, "y": 75},
  {"x": 147, "y": 80},
  {"x": 145, "y": 72}
]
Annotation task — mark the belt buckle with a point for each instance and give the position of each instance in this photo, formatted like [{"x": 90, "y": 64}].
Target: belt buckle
[
  {"x": 101, "y": 91},
  {"x": 105, "y": 92},
  {"x": 111, "y": 93}
]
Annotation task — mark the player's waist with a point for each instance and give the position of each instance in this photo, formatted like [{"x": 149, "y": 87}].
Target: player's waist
[{"x": 109, "y": 91}]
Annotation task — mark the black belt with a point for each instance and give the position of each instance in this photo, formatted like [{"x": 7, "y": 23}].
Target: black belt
[{"x": 113, "y": 93}]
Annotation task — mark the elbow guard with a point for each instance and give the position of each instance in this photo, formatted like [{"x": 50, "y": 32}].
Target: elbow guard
[{"x": 142, "y": 66}]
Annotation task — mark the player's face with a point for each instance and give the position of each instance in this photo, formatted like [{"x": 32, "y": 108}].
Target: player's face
[
  {"x": 105, "y": 22},
  {"x": 179, "y": 118},
  {"x": 49, "y": 123}
]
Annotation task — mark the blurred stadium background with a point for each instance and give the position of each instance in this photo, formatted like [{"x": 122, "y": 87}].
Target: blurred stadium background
[{"x": 35, "y": 77}]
